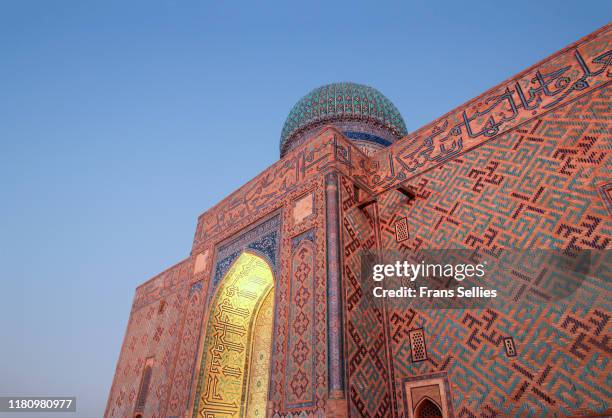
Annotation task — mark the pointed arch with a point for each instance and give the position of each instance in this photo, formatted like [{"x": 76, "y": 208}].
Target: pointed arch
[
  {"x": 428, "y": 408},
  {"x": 236, "y": 356}
]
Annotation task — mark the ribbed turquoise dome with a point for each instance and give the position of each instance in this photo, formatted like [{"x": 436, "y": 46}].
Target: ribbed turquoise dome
[{"x": 361, "y": 112}]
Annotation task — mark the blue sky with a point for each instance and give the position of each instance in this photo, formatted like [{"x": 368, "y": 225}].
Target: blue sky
[{"x": 120, "y": 122}]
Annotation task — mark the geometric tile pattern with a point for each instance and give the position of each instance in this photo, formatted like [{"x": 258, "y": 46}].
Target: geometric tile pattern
[
  {"x": 401, "y": 230},
  {"x": 525, "y": 165},
  {"x": 263, "y": 238},
  {"x": 272, "y": 189},
  {"x": 417, "y": 345},
  {"x": 530, "y": 188},
  {"x": 367, "y": 364},
  {"x": 557, "y": 80},
  {"x": 287, "y": 362},
  {"x": 300, "y": 378},
  {"x": 155, "y": 336},
  {"x": 186, "y": 357},
  {"x": 342, "y": 102},
  {"x": 510, "y": 347},
  {"x": 606, "y": 194}
]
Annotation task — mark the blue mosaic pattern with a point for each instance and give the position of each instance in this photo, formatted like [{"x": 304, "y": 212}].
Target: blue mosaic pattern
[
  {"x": 342, "y": 101},
  {"x": 265, "y": 245},
  {"x": 308, "y": 235},
  {"x": 367, "y": 137}
]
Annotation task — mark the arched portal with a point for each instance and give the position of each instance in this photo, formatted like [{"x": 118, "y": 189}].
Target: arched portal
[
  {"x": 428, "y": 409},
  {"x": 237, "y": 347}
]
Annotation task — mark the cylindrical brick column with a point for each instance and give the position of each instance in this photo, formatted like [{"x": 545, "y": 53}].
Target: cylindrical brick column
[{"x": 335, "y": 334}]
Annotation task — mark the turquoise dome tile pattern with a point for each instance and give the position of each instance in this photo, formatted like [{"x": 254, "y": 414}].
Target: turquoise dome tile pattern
[{"x": 349, "y": 106}]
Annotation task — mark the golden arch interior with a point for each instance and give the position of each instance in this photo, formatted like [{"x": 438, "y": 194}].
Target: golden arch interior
[{"x": 237, "y": 348}]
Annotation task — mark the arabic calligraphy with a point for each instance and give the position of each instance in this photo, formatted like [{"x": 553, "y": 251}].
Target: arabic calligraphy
[{"x": 518, "y": 101}]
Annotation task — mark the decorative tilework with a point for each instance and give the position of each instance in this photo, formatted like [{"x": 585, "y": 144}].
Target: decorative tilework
[
  {"x": 286, "y": 178},
  {"x": 525, "y": 195},
  {"x": 369, "y": 381},
  {"x": 292, "y": 237},
  {"x": 187, "y": 350},
  {"x": 152, "y": 334},
  {"x": 606, "y": 194},
  {"x": 233, "y": 330},
  {"x": 525, "y": 165},
  {"x": 434, "y": 386},
  {"x": 304, "y": 236},
  {"x": 367, "y": 137},
  {"x": 401, "y": 230},
  {"x": 418, "y": 350},
  {"x": 300, "y": 379},
  {"x": 335, "y": 317},
  {"x": 509, "y": 346},
  {"x": 262, "y": 238},
  {"x": 344, "y": 102},
  {"x": 559, "y": 79}
]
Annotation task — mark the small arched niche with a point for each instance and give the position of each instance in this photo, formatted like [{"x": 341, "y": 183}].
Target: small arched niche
[{"x": 428, "y": 409}]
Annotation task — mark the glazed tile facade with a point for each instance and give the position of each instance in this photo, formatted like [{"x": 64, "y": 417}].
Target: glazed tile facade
[{"x": 525, "y": 165}]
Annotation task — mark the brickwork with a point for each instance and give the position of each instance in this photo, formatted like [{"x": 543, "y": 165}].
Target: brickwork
[
  {"x": 157, "y": 328},
  {"x": 525, "y": 165},
  {"x": 367, "y": 364},
  {"x": 519, "y": 191},
  {"x": 535, "y": 186}
]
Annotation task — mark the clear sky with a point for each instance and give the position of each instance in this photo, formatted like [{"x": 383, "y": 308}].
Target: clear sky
[{"x": 122, "y": 121}]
